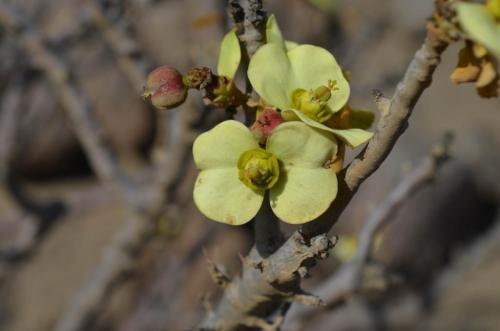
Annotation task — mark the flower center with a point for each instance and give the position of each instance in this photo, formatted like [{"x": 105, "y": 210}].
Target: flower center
[
  {"x": 314, "y": 103},
  {"x": 258, "y": 169}
]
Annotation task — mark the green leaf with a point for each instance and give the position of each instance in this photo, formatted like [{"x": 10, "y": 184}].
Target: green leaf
[
  {"x": 481, "y": 26},
  {"x": 313, "y": 67},
  {"x": 221, "y": 196},
  {"x": 222, "y": 146},
  {"x": 303, "y": 194},
  {"x": 297, "y": 144},
  {"x": 273, "y": 32},
  {"x": 352, "y": 137},
  {"x": 230, "y": 55},
  {"x": 270, "y": 73}
]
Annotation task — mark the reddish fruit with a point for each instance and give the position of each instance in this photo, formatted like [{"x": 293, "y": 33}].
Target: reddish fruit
[{"x": 165, "y": 87}]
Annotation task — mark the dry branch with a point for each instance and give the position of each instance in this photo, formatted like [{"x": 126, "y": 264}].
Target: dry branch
[{"x": 266, "y": 284}]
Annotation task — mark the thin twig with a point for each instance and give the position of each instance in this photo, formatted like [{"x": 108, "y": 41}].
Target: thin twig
[{"x": 131, "y": 59}]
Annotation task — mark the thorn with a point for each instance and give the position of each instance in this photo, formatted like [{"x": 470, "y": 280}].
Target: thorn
[
  {"x": 383, "y": 103},
  {"x": 308, "y": 299},
  {"x": 334, "y": 240},
  {"x": 303, "y": 272},
  {"x": 207, "y": 305},
  {"x": 243, "y": 259},
  {"x": 217, "y": 272}
]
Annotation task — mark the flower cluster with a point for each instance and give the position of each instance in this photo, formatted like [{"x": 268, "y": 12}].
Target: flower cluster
[{"x": 291, "y": 154}]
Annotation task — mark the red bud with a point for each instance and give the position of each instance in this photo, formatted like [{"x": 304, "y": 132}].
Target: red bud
[
  {"x": 266, "y": 121},
  {"x": 165, "y": 87}
]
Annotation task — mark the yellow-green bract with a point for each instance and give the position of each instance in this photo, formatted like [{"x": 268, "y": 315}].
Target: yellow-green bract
[
  {"x": 279, "y": 68},
  {"x": 306, "y": 186},
  {"x": 230, "y": 55},
  {"x": 481, "y": 24}
]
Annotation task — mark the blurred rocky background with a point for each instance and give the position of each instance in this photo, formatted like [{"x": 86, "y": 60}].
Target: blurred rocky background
[{"x": 60, "y": 224}]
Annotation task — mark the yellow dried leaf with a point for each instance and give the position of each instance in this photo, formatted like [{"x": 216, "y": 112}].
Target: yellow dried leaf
[
  {"x": 468, "y": 67},
  {"x": 488, "y": 74}
]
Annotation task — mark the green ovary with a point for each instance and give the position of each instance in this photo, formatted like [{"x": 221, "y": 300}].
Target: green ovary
[
  {"x": 258, "y": 169},
  {"x": 313, "y": 103}
]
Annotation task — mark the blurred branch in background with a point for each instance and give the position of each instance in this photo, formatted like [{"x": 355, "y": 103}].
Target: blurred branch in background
[
  {"x": 351, "y": 279},
  {"x": 131, "y": 60},
  {"x": 146, "y": 197},
  {"x": 78, "y": 110},
  {"x": 9, "y": 122},
  {"x": 39, "y": 215}
]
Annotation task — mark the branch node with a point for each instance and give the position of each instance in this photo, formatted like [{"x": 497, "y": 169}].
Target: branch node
[{"x": 383, "y": 103}]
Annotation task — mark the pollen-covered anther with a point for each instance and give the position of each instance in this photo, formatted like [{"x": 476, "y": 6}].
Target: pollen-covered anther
[{"x": 313, "y": 103}]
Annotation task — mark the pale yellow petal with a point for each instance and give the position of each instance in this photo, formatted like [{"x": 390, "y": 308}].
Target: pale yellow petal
[
  {"x": 221, "y": 196},
  {"x": 303, "y": 194}
]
